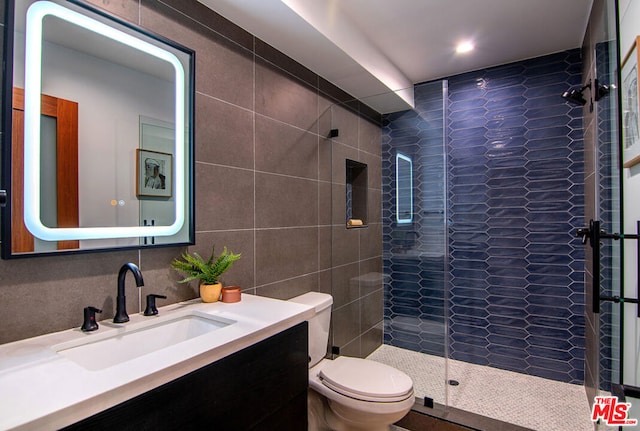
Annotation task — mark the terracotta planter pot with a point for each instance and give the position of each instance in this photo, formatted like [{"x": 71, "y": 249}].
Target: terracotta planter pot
[
  {"x": 210, "y": 292},
  {"x": 231, "y": 294}
]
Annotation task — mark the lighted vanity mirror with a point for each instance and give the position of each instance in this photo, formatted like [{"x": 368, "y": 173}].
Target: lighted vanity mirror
[
  {"x": 100, "y": 153},
  {"x": 404, "y": 189}
]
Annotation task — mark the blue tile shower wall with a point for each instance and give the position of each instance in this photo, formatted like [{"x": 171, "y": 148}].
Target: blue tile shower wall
[{"x": 513, "y": 271}]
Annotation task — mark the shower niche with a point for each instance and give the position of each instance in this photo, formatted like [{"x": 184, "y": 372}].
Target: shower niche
[{"x": 356, "y": 194}]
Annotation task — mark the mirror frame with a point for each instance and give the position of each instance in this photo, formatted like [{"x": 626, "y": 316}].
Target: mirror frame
[{"x": 6, "y": 150}]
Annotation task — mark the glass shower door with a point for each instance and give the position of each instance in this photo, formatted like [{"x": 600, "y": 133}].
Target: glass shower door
[
  {"x": 415, "y": 241},
  {"x": 389, "y": 240}
]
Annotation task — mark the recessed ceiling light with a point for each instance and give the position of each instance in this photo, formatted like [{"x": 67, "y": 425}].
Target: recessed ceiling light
[{"x": 464, "y": 47}]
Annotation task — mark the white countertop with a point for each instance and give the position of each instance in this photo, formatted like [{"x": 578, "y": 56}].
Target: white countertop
[{"x": 40, "y": 389}]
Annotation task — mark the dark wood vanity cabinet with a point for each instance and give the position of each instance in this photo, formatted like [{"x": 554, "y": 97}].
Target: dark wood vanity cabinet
[{"x": 261, "y": 388}]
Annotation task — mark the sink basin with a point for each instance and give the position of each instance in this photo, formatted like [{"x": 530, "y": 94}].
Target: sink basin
[{"x": 100, "y": 351}]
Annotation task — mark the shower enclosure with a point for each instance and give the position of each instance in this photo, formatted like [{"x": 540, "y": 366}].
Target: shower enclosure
[{"x": 482, "y": 191}]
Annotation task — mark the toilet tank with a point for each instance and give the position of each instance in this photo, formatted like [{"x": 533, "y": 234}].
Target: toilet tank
[{"x": 318, "y": 325}]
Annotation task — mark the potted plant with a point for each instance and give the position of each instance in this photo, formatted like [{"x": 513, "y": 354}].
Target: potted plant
[{"x": 207, "y": 271}]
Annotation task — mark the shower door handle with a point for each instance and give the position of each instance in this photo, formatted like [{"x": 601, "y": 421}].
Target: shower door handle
[{"x": 593, "y": 234}]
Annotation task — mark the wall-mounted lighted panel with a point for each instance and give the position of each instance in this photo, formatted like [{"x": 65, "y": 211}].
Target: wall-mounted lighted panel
[
  {"x": 356, "y": 193},
  {"x": 404, "y": 189},
  {"x": 36, "y": 16}
]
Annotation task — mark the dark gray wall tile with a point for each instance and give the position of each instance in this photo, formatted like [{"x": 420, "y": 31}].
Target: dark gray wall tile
[
  {"x": 202, "y": 14},
  {"x": 225, "y": 198},
  {"x": 284, "y": 99},
  {"x": 288, "y": 289},
  {"x": 371, "y": 340},
  {"x": 129, "y": 10},
  {"x": 224, "y": 133},
  {"x": 352, "y": 348},
  {"x": 371, "y": 310},
  {"x": 48, "y": 294},
  {"x": 345, "y": 245},
  {"x": 371, "y": 241},
  {"x": 285, "y": 253},
  {"x": 345, "y": 286},
  {"x": 347, "y": 125},
  {"x": 286, "y": 150},
  {"x": 346, "y": 324},
  {"x": 370, "y": 137},
  {"x": 285, "y": 201}
]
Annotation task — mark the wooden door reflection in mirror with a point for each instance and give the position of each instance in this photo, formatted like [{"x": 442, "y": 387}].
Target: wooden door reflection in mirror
[{"x": 64, "y": 204}]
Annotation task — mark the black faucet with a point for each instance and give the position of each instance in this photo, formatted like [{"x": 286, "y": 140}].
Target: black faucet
[{"x": 121, "y": 301}]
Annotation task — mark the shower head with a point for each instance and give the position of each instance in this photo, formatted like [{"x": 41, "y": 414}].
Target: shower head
[
  {"x": 601, "y": 90},
  {"x": 575, "y": 96}
]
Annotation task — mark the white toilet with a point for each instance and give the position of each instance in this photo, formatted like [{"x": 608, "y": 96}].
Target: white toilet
[{"x": 350, "y": 393}]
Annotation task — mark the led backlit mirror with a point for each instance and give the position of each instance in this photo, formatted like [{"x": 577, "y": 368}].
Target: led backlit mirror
[
  {"x": 404, "y": 189},
  {"x": 101, "y": 148}
]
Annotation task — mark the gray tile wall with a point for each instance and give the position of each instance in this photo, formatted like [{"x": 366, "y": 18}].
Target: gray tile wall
[
  {"x": 357, "y": 280},
  {"x": 263, "y": 188}
]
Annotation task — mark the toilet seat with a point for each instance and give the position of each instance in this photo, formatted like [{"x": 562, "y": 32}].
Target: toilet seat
[{"x": 366, "y": 380}]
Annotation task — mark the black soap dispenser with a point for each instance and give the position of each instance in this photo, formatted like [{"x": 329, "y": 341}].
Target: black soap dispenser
[{"x": 90, "y": 323}]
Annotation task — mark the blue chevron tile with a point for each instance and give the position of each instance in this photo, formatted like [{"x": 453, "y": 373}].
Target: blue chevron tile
[{"x": 512, "y": 192}]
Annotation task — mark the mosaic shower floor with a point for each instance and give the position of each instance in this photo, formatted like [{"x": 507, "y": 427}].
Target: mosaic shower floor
[{"x": 515, "y": 398}]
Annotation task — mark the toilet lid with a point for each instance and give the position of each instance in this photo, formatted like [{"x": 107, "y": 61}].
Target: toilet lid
[{"x": 366, "y": 380}]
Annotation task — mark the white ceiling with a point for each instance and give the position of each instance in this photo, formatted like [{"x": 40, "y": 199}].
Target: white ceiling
[{"x": 371, "y": 47}]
